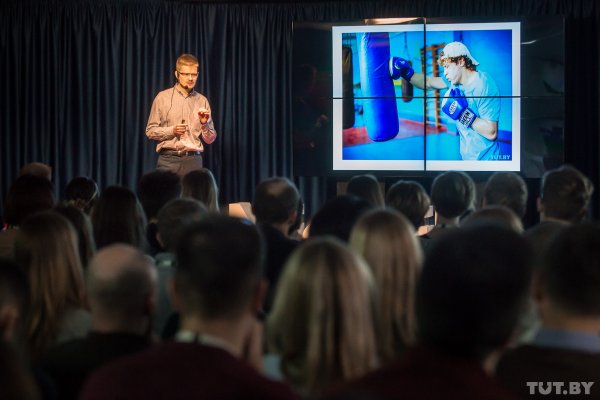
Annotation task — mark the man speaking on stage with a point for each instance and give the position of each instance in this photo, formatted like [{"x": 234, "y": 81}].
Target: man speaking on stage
[{"x": 180, "y": 120}]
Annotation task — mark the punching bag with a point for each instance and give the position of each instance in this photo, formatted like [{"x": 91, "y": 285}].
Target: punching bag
[
  {"x": 380, "y": 110},
  {"x": 407, "y": 89},
  {"x": 347, "y": 88}
]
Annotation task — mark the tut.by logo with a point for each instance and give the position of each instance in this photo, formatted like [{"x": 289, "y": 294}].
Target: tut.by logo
[{"x": 565, "y": 388}]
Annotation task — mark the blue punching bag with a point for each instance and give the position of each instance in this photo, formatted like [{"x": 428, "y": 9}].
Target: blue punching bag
[{"x": 380, "y": 109}]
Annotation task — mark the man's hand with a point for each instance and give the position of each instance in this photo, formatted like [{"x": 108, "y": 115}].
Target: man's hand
[
  {"x": 456, "y": 107},
  {"x": 399, "y": 67},
  {"x": 204, "y": 115},
  {"x": 179, "y": 129}
]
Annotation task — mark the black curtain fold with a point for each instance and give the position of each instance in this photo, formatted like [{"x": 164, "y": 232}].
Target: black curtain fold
[{"x": 79, "y": 79}]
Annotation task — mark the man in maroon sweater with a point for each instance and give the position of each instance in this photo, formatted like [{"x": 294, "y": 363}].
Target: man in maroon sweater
[{"x": 218, "y": 291}]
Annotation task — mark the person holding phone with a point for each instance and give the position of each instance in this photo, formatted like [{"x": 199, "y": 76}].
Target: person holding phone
[
  {"x": 180, "y": 121},
  {"x": 471, "y": 100}
]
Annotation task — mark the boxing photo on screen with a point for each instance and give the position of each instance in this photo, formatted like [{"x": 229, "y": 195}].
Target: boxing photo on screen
[{"x": 430, "y": 97}]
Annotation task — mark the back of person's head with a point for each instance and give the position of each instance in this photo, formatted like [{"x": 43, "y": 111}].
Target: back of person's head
[
  {"x": 201, "y": 185},
  {"x": 452, "y": 193},
  {"x": 156, "y": 188},
  {"x": 338, "y": 216},
  {"x": 565, "y": 194},
  {"x": 14, "y": 298},
  {"x": 506, "y": 189},
  {"x": 83, "y": 227},
  {"x": 387, "y": 241},
  {"x": 118, "y": 217},
  {"x": 46, "y": 248},
  {"x": 494, "y": 215},
  {"x": 570, "y": 273},
  {"x": 473, "y": 290},
  {"x": 37, "y": 169},
  {"x": 275, "y": 200},
  {"x": 322, "y": 321},
  {"x": 409, "y": 198},
  {"x": 366, "y": 187},
  {"x": 121, "y": 284},
  {"x": 82, "y": 192},
  {"x": 174, "y": 217},
  {"x": 27, "y": 195},
  {"x": 219, "y": 267}
]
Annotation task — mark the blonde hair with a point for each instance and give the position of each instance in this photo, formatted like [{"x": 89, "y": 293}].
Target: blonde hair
[
  {"x": 46, "y": 248},
  {"x": 186, "y": 59},
  {"x": 322, "y": 319},
  {"x": 387, "y": 241}
]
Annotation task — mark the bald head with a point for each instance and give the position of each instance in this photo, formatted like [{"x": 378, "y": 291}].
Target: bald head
[
  {"x": 121, "y": 284},
  {"x": 37, "y": 169}
]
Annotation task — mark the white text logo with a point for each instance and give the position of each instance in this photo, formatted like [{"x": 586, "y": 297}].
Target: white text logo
[{"x": 565, "y": 388}]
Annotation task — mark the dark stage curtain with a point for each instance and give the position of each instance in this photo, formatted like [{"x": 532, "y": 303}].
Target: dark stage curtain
[{"x": 79, "y": 78}]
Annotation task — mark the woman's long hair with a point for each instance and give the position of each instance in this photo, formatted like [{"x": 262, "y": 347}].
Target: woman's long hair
[
  {"x": 387, "y": 241},
  {"x": 46, "y": 248},
  {"x": 322, "y": 319}
]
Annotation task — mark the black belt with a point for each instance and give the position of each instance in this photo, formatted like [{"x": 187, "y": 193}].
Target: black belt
[{"x": 180, "y": 153}]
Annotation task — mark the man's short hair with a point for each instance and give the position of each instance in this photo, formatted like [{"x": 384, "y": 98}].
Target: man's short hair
[
  {"x": 565, "y": 194},
  {"x": 409, "y": 198},
  {"x": 366, "y": 187},
  {"x": 452, "y": 193},
  {"x": 156, "y": 188},
  {"x": 219, "y": 265},
  {"x": 186, "y": 59},
  {"x": 506, "y": 189},
  {"x": 338, "y": 216},
  {"x": 570, "y": 272},
  {"x": 175, "y": 216},
  {"x": 472, "y": 290},
  {"x": 124, "y": 291},
  {"x": 274, "y": 200}
]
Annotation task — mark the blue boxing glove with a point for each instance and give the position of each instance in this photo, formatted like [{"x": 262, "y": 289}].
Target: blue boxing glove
[
  {"x": 399, "y": 67},
  {"x": 457, "y": 108}
]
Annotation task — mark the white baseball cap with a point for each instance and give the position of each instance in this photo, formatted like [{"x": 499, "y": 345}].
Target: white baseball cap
[{"x": 457, "y": 49}]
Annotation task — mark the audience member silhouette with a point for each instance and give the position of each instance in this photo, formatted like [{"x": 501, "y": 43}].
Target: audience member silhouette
[
  {"x": 27, "y": 195},
  {"x": 322, "y": 323},
  {"x": 506, "y": 189},
  {"x": 37, "y": 169},
  {"x": 498, "y": 215},
  {"x": 46, "y": 248},
  {"x": 366, "y": 187},
  {"x": 567, "y": 292},
  {"x": 564, "y": 196},
  {"x": 82, "y": 192},
  {"x": 387, "y": 241},
  {"x": 172, "y": 220},
  {"x": 275, "y": 206},
  {"x": 121, "y": 287},
  {"x": 218, "y": 289},
  {"x": 118, "y": 217},
  {"x": 201, "y": 185},
  {"x": 452, "y": 195},
  {"x": 83, "y": 227},
  {"x": 154, "y": 190},
  {"x": 470, "y": 295},
  {"x": 410, "y": 199},
  {"x": 337, "y": 217}
]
